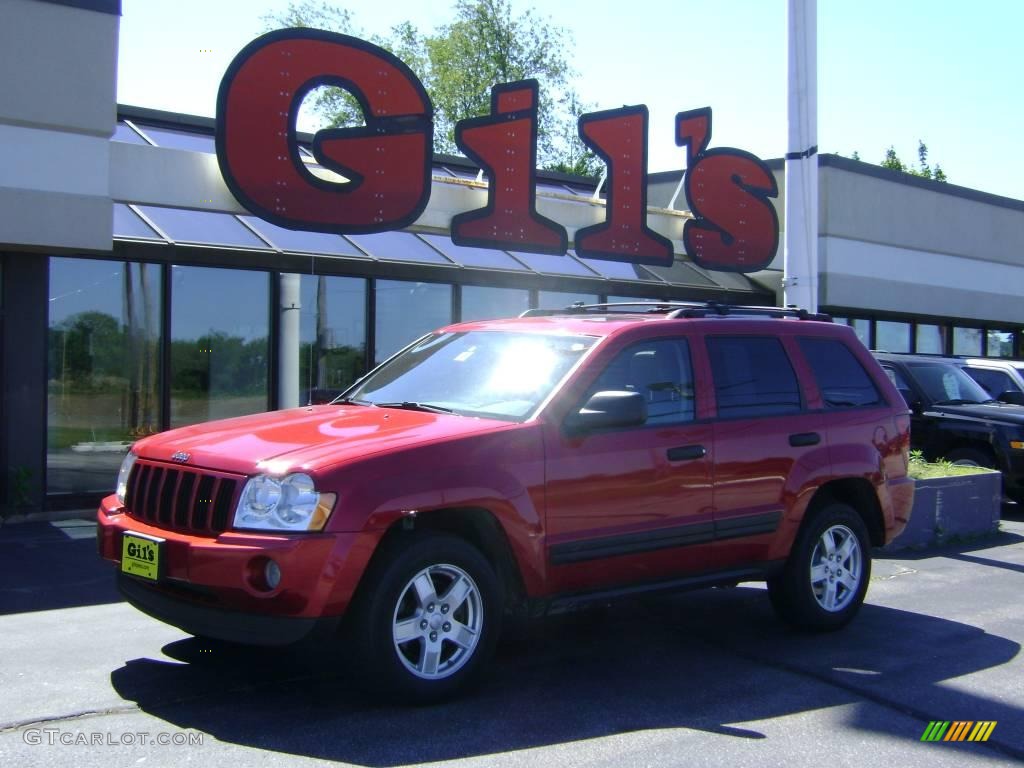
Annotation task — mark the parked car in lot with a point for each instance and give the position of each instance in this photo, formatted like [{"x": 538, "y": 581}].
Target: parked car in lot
[
  {"x": 954, "y": 418},
  {"x": 1002, "y": 379},
  {"x": 529, "y": 464}
]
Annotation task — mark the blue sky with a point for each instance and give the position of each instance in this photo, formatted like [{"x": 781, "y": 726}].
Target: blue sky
[{"x": 889, "y": 73}]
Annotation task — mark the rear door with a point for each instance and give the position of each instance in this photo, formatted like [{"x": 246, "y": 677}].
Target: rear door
[{"x": 769, "y": 442}]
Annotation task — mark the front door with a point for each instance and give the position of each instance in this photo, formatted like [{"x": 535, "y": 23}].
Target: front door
[{"x": 632, "y": 504}]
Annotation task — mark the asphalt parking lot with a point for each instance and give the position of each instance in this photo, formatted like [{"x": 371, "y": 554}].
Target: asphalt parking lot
[{"x": 705, "y": 678}]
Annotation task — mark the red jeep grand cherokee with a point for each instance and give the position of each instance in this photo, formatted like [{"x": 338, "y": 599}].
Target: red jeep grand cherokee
[{"x": 535, "y": 462}]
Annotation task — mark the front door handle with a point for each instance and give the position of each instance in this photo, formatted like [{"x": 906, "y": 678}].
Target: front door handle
[
  {"x": 804, "y": 438},
  {"x": 686, "y": 453}
]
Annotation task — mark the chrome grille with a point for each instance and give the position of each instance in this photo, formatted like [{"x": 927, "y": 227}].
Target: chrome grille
[{"x": 181, "y": 498}]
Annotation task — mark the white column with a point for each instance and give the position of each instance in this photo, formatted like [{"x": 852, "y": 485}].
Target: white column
[
  {"x": 288, "y": 342},
  {"x": 800, "y": 257}
]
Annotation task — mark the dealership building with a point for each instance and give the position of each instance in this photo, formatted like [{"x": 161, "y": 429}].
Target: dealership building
[{"x": 137, "y": 295}]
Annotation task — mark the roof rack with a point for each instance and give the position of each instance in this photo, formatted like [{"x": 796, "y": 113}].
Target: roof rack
[{"x": 677, "y": 309}]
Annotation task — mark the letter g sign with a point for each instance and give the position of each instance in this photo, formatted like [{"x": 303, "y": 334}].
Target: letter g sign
[{"x": 386, "y": 162}]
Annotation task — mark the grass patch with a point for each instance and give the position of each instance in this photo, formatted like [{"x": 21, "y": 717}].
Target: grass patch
[{"x": 926, "y": 470}]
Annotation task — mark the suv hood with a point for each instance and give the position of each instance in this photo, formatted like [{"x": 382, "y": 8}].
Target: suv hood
[
  {"x": 990, "y": 412},
  {"x": 307, "y": 438}
]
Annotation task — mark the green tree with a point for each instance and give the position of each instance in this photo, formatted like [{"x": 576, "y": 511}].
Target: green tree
[
  {"x": 923, "y": 170},
  {"x": 458, "y": 62}
]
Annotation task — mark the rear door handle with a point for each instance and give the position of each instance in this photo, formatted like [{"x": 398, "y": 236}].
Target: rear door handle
[
  {"x": 686, "y": 452},
  {"x": 804, "y": 438}
]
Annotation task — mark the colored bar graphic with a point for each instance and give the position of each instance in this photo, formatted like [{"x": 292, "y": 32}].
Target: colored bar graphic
[{"x": 959, "y": 730}]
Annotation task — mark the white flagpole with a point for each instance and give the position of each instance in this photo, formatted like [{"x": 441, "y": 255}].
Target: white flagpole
[{"x": 800, "y": 257}]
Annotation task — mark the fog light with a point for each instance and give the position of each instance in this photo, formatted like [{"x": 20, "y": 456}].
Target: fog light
[
  {"x": 272, "y": 575},
  {"x": 1018, "y": 444}
]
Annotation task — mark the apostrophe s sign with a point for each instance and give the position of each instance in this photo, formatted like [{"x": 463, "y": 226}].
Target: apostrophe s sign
[
  {"x": 386, "y": 163},
  {"x": 735, "y": 227}
]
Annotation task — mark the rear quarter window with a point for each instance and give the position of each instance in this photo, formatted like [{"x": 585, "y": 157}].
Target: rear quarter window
[
  {"x": 753, "y": 377},
  {"x": 841, "y": 378}
]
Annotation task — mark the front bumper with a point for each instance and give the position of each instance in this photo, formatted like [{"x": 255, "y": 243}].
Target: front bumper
[{"x": 212, "y": 585}]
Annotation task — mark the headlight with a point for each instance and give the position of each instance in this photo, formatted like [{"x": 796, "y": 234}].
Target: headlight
[
  {"x": 122, "y": 475},
  {"x": 290, "y": 504}
]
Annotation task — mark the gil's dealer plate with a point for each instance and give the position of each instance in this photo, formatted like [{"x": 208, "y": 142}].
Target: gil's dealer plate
[{"x": 141, "y": 556}]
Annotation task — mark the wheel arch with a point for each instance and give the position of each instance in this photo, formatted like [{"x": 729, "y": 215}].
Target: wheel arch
[
  {"x": 858, "y": 493},
  {"x": 476, "y": 525}
]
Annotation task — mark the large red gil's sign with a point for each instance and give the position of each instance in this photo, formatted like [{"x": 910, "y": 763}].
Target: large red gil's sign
[{"x": 387, "y": 162}]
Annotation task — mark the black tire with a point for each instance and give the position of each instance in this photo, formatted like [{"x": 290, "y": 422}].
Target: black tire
[
  {"x": 801, "y": 593},
  {"x": 441, "y": 592},
  {"x": 972, "y": 457}
]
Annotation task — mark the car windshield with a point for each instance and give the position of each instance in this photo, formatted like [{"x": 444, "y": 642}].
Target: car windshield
[
  {"x": 947, "y": 384},
  {"x": 496, "y": 374}
]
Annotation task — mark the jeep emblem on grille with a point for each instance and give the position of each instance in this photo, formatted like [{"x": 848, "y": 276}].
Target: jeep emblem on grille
[{"x": 181, "y": 457}]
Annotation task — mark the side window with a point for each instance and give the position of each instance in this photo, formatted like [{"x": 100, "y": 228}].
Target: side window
[
  {"x": 753, "y": 376},
  {"x": 994, "y": 382},
  {"x": 900, "y": 383},
  {"x": 660, "y": 370},
  {"x": 841, "y": 378}
]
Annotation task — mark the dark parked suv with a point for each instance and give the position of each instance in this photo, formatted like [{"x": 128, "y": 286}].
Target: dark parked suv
[
  {"x": 528, "y": 464},
  {"x": 954, "y": 418}
]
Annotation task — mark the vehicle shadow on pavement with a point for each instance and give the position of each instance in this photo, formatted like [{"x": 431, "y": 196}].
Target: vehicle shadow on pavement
[
  {"x": 716, "y": 661},
  {"x": 54, "y": 566}
]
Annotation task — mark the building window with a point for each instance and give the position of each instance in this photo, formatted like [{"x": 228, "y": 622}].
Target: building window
[
  {"x": 407, "y": 310},
  {"x": 860, "y": 326},
  {"x": 332, "y": 350},
  {"x": 967, "y": 341},
  {"x": 103, "y": 379},
  {"x": 560, "y": 300},
  {"x": 219, "y": 343},
  {"x": 999, "y": 343},
  {"x": 480, "y": 303},
  {"x": 891, "y": 336},
  {"x": 931, "y": 339}
]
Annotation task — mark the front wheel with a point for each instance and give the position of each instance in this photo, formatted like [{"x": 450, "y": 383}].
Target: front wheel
[
  {"x": 823, "y": 584},
  {"x": 427, "y": 620}
]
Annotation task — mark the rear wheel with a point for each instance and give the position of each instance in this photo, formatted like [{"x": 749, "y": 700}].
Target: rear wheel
[
  {"x": 971, "y": 457},
  {"x": 823, "y": 584},
  {"x": 428, "y": 620}
]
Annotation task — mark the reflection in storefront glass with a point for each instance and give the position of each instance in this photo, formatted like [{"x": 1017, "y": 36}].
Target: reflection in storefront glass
[
  {"x": 482, "y": 303},
  {"x": 967, "y": 341},
  {"x": 999, "y": 344},
  {"x": 219, "y": 350},
  {"x": 332, "y": 350},
  {"x": 931, "y": 339},
  {"x": 103, "y": 365},
  {"x": 407, "y": 310},
  {"x": 891, "y": 336}
]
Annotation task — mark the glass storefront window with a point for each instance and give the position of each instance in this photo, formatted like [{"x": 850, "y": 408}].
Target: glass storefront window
[
  {"x": 862, "y": 327},
  {"x": 560, "y": 300},
  {"x": 999, "y": 344},
  {"x": 967, "y": 341},
  {"x": 219, "y": 343},
  {"x": 891, "y": 336},
  {"x": 481, "y": 303},
  {"x": 332, "y": 350},
  {"x": 931, "y": 339},
  {"x": 103, "y": 368},
  {"x": 405, "y": 311}
]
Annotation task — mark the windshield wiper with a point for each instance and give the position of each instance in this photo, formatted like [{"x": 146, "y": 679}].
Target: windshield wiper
[
  {"x": 409, "y": 405},
  {"x": 957, "y": 402},
  {"x": 350, "y": 401}
]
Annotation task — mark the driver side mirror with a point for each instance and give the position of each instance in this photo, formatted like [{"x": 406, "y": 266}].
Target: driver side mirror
[
  {"x": 1011, "y": 398},
  {"x": 610, "y": 409}
]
